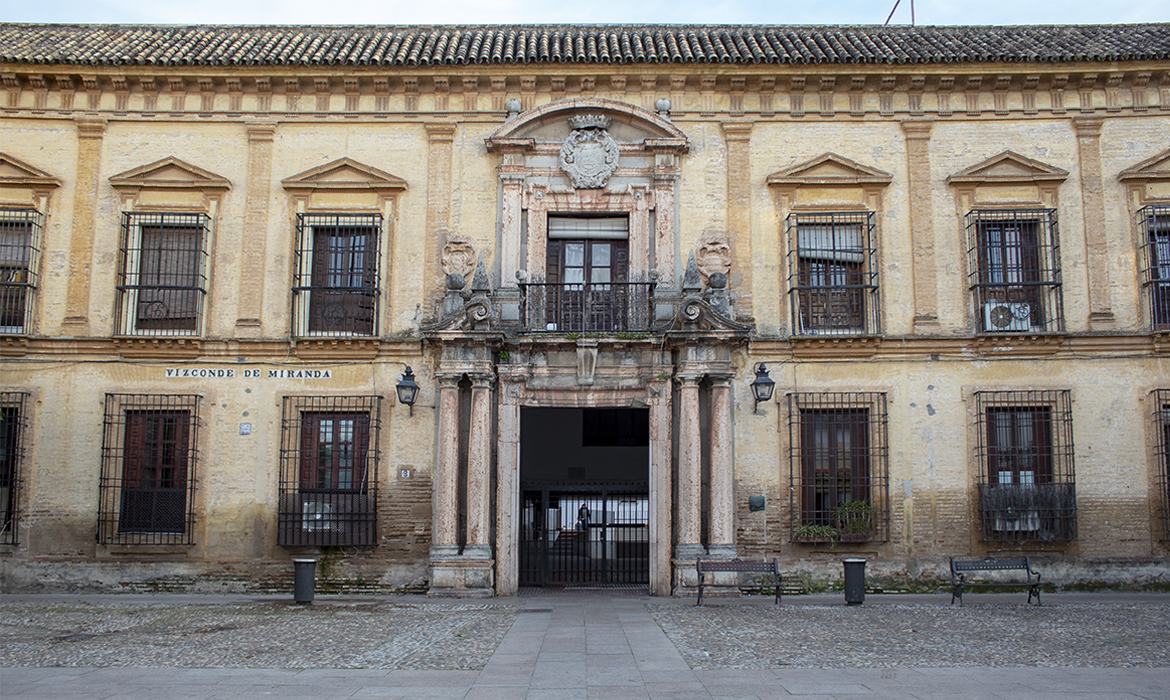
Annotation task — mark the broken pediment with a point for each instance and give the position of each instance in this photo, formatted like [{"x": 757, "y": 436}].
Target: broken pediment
[
  {"x": 829, "y": 169},
  {"x": 1156, "y": 168},
  {"x": 17, "y": 173},
  {"x": 169, "y": 174},
  {"x": 1008, "y": 168},
  {"x": 344, "y": 174}
]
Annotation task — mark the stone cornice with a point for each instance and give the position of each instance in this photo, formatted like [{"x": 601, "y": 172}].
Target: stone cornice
[{"x": 705, "y": 92}]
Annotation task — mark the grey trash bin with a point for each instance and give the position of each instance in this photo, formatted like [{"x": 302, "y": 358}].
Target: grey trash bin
[
  {"x": 304, "y": 580},
  {"x": 854, "y": 581}
]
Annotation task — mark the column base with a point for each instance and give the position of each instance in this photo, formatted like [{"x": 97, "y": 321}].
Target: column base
[
  {"x": 1102, "y": 321},
  {"x": 462, "y": 577},
  {"x": 722, "y": 551}
]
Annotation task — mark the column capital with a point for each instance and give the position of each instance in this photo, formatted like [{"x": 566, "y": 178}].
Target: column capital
[
  {"x": 440, "y": 132},
  {"x": 90, "y": 127},
  {"x": 1088, "y": 127},
  {"x": 737, "y": 131},
  {"x": 918, "y": 129},
  {"x": 260, "y": 131}
]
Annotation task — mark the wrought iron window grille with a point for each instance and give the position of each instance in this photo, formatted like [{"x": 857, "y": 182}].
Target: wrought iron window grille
[
  {"x": 1155, "y": 264},
  {"x": 13, "y": 437},
  {"x": 20, "y": 261},
  {"x": 1026, "y": 480},
  {"x": 1161, "y": 420},
  {"x": 329, "y": 471},
  {"x": 146, "y": 491},
  {"x": 1013, "y": 270},
  {"x": 162, "y": 274},
  {"x": 833, "y": 274},
  {"x": 839, "y": 467},
  {"x": 336, "y": 290}
]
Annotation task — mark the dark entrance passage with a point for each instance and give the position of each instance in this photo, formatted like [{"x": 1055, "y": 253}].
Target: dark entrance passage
[
  {"x": 586, "y": 536},
  {"x": 584, "y": 497}
]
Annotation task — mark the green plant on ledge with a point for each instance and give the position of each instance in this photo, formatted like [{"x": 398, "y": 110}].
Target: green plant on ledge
[
  {"x": 815, "y": 533},
  {"x": 854, "y": 519}
]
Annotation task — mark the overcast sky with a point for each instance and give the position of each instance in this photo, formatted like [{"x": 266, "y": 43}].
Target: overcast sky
[{"x": 1003, "y": 12}]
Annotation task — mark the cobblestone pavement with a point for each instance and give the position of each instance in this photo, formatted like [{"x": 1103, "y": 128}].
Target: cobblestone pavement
[
  {"x": 253, "y": 635},
  {"x": 1003, "y": 633}
]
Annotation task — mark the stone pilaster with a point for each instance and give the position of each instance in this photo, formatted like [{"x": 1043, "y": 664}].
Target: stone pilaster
[
  {"x": 1088, "y": 130},
  {"x": 739, "y": 210},
  {"x": 660, "y": 487},
  {"x": 917, "y": 135},
  {"x": 439, "y": 144},
  {"x": 90, "y": 132},
  {"x": 722, "y": 466},
  {"x": 479, "y": 462},
  {"x": 254, "y": 241},
  {"x": 690, "y": 471}
]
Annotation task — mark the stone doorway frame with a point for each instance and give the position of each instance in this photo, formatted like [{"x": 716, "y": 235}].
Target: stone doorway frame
[{"x": 514, "y": 393}]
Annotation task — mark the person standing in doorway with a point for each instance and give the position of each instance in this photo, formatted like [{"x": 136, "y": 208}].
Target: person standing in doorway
[{"x": 583, "y": 516}]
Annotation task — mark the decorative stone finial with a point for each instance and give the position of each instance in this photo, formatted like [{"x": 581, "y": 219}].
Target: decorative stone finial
[
  {"x": 480, "y": 283},
  {"x": 663, "y": 106},
  {"x": 691, "y": 281}
]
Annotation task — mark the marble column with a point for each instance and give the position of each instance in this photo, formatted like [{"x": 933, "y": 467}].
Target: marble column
[
  {"x": 508, "y": 485},
  {"x": 446, "y": 502},
  {"x": 722, "y": 465},
  {"x": 479, "y": 461},
  {"x": 690, "y": 471}
]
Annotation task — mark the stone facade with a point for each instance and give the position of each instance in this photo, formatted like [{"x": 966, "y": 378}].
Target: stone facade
[{"x": 951, "y": 271}]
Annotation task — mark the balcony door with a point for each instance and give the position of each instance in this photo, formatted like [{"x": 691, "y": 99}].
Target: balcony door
[{"x": 588, "y": 263}]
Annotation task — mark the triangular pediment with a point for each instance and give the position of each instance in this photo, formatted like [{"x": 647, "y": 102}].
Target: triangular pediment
[
  {"x": 344, "y": 174},
  {"x": 14, "y": 171},
  {"x": 1156, "y": 168},
  {"x": 829, "y": 169},
  {"x": 170, "y": 173},
  {"x": 1008, "y": 167}
]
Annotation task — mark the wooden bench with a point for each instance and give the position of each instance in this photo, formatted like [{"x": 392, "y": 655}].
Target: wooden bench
[
  {"x": 960, "y": 569},
  {"x": 738, "y": 566}
]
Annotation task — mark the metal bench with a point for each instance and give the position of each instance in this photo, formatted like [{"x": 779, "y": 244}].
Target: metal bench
[
  {"x": 738, "y": 566},
  {"x": 960, "y": 569}
]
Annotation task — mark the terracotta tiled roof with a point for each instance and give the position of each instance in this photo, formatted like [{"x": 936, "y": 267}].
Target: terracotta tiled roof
[{"x": 125, "y": 45}]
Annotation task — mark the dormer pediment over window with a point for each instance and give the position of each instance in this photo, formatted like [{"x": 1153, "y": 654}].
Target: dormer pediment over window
[
  {"x": 588, "y": 159},
  {"x": 344, "y": 184},
  {"x": 169, "y": 183},
  {"x": 1008, "y": 179},
  {"x": 23, "y": 185},
  {"x": 830, "y": 180}
]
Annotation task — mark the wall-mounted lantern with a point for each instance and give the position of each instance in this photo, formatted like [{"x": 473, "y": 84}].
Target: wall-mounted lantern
[
  {"x": 762, "y": 386},
  {"x": 407, "y": 389}
]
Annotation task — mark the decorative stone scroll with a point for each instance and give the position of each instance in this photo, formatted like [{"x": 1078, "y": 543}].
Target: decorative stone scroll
[{"x": 589, "y": 155}]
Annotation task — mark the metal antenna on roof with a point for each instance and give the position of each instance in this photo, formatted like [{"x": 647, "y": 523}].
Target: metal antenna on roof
[{"x": 896, "y": 3}]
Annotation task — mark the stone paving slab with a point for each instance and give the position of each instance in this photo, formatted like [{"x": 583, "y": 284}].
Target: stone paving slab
[{"x": 621, "y": 646}]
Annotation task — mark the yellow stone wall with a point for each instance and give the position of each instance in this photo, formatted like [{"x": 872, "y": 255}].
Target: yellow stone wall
[{"x": 929, "y": 380}]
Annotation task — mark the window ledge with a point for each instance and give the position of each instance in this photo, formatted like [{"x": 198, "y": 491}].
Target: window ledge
[
  {"x": 168, "y": 347},
  {"x": 1019, "y": 343},
  {"x": 14, "y": 345},
  {"x": 835, "y": 345}
]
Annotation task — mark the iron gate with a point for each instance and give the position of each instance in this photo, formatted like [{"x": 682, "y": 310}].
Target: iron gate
[{"x": 610, "y": 546}]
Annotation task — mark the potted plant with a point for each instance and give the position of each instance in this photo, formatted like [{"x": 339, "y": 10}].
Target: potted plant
[
  {"x": 854, "y": 521},
  {"x": 814, "y": 533}
]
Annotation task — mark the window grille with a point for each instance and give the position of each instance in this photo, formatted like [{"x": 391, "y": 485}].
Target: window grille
[
  {"x": 13, "y": 434},
  {"x": 329, "y": 471},
  {"x": 149, "y": 455},
  {"x": 839, "y": 467},
  {"x": 1155, "y": 264},
  {"x": 336, "y": 287},
  {"x": 1162, "y": 457},
  {"x": 162, "y": 275},
  {"x": 833, "y": 274},
  {"x": 1027, "y": 485},
  {"x": 20, "y": 258},
  {"x": 1013, "y": 261}
]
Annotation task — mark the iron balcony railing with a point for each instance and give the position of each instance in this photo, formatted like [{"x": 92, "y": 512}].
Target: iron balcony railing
[
  {"x": 612, "y": 307},
  {"x": 1036, "y": 512}
]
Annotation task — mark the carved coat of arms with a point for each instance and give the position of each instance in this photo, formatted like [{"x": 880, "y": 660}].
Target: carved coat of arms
[{"x": 590, "y": 155}]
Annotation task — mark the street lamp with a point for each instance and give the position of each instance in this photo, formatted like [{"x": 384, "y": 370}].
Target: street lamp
[
  {"x": 407, "y": 389},
  {"x": 762, "y": 385}
]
